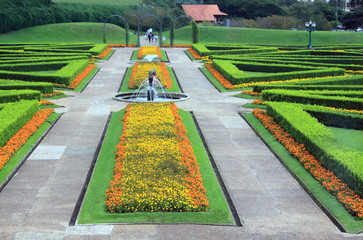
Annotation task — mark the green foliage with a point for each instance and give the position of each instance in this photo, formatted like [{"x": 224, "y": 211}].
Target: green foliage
[
  {"x": 353, "y": 20},
  {"x": 14, "y": 116},
  {"x": 344, "y": 161},
  {"x": 336, "y": 99},
  {"x": 7, "y": 96},
  {"x": 195, "y": 32},
  {"x": 21, "y": 85},
  {"x": 223, "y": 49},
  {"x": 231, "y": 70}
]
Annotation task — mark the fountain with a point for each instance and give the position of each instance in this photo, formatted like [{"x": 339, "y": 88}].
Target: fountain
[{"x": 151, "y": 90}]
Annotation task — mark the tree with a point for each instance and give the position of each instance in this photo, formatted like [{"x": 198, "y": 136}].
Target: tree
[
  {"x": 352, "y": 20},
  {"x": 195, "y": 31}
]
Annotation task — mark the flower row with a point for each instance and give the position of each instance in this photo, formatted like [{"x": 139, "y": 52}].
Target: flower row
[
  {"x": 20, "y": 138},
  {"x": 148, "y": 50},
  {"x": 251, "y": 93},
  {"x": 155, "y": 167},
  {"x": 121, "y": 45},
  {"x": 81, "y": 76},
  {"x": 194, "y": 53},
  {"x": 53, "y": 94},
  {"x": 104, "y": 54},
  {"x": 225, "y": 83},
  {"x": 351, "y": 201},
  {"x": 140, "y": 72}
]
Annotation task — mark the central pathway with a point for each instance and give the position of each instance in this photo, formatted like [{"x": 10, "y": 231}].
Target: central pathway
[{"x": 38, "y": 203}]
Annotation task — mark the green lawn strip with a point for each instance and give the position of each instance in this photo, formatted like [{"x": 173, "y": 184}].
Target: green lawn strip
[
  {"x": 215, "y": 82},
  {"x": 86, "y": 80},
  {"x": 190, "y": 55},
  {"x": 351, "y": 137},
  {"x": 94, "y": 209},
  {"x": 126, "y": 81},
  {"x": 57, "y": 97},
  {"x": 328, "y": 200},
  {"x": 50, "y": 106},
  {"x": 251, "y": 105},
  {"x": 16, "y": 159}
]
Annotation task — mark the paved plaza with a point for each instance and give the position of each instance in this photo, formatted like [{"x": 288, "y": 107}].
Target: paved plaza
[{"x": 39, "y": 201}]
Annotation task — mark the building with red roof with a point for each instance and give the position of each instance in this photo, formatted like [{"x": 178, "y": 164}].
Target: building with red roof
[{"x": 204, "y": 13}]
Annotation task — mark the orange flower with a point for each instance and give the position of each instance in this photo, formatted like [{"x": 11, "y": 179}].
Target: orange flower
[
  {"x": 20, "y": 138},
  {"x": 350, "y": 200},
  {"x": 226, "y": 84},
  {"x": 81, "y": 76},
  {"x": 194, "y": 53}
]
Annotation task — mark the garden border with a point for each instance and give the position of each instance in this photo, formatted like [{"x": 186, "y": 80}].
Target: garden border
[
  {"x": 25, "y": 158},
  {"x": 94, "y": 75},
  {"x": 334, "y": 220}
]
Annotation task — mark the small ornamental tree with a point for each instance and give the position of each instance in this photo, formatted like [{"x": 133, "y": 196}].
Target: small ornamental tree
[
  {"x": 195, "y": 31},
  {"x": 172, "y": 33}
]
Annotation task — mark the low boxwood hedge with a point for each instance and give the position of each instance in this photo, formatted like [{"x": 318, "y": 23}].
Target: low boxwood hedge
[
  {"x": 20, "y": 85},
  {"x": 344, "y": 161},
  {"x": 336, "y": 99},
  {"x": 14, "y": 116},
  {"x": 18, "y": 95}
]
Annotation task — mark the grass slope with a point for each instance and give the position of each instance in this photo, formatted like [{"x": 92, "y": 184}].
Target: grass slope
[
  {"x": 69, "y": 32},
  {"x": 109, "y": 2},
  {"x": 265, "y": 36},
  {"x": 94, "y": 209}
]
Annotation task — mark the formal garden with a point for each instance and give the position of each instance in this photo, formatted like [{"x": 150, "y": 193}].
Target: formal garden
[{"x": 153, "y": 166}]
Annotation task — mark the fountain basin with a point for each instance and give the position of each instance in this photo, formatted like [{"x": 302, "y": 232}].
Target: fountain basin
[{"x": 142, "y": 97}]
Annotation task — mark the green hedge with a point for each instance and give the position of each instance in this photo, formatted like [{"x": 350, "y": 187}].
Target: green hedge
[
  {"x": 232, "y": 71},
  {"x": 222, "y": 49},
  {"x": 18, "y": 95},
  {"x": 63, "y": 76},
  {"x": 260, "y": 88},
  {"x": 345, "y": 162},
  {"x": 21, "y": 85},
  {"x": 336, "y": 99},
  {"x": 13, "y": 116},
  {"x": 32, "y": 67}
]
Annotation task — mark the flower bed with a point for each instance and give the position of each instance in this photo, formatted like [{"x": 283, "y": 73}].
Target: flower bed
[
  {"x": 20, "y": 138},
  {"x": 148, "y": 50},
  {"x": 81, "y": 76},
  {"x": 350, "y": 200},
  {"x": 194, "y": 53},
  {"x": 140, "y": 71},
  {"x": 225, "y": 83},
  {"x": 155, "y": 167}
]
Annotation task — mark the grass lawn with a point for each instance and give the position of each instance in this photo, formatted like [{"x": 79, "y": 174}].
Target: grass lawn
[
  {"x": 68, "y": 32},
  {"x": 94, "y": 209},
  {"x": 351, "y": 137},
  {"x": 16, "y": 159},
  {"x": 126, "y": 81},
  {"x": 110, "y": 2},
  {"x": 256, "y": 36},
  {"x": 328, "y": 200}
]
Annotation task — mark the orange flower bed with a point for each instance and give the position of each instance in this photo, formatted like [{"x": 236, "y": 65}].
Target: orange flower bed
[
  {"x": 120, "y": 45},
  {"x": 350, "y": 200},
  {"x": 148, "y": 50},
  {"x": 194, "y": 53},
  {"x": 55, "y": 93},
  {"x": 20, "y": 138},
  {"x": 251, "y": 93},
  {"x": 259, "y": 102},
  {"x": 44, "y": 102},
  {"x": 81, "y": 76},
  {"x": 104, "y": 54},
  {"x": 226, "y": 84}
]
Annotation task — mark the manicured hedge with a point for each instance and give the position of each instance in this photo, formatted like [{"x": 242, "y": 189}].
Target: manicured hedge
[
  {"x": 14, "y": 116},
  {"x": 221, "y": 49},
  {"x": 231, "y": 70},
  {"x": 18, "y": 95},
  {"x": 260, "y": 88},
  {"x": 20, "y": 85},
  {"x": 336, "y": 99},
  {"x": 345, "y": 162},
  {"x": 32, "y": 67},
  {"x": 63, "y": 76}
]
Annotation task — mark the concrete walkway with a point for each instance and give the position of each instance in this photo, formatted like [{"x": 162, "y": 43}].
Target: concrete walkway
[{"x": 39, "y": 201}]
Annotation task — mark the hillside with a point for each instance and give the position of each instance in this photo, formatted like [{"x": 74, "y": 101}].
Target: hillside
[
  {"x": 108, "y": 2},
  {"x": 68, "y": 32}
]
